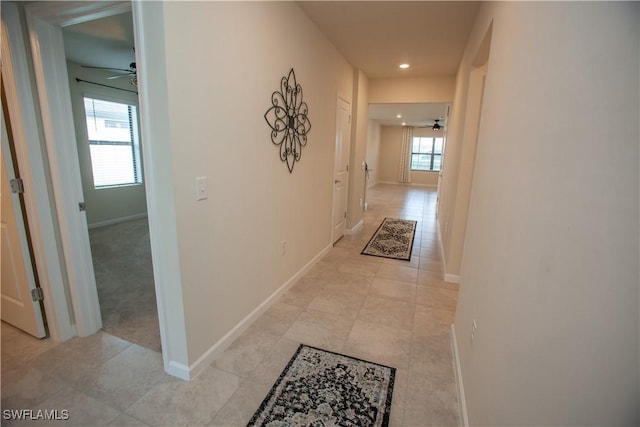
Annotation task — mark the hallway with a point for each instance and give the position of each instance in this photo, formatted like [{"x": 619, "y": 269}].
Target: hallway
[{"x": 393, "y": 312}]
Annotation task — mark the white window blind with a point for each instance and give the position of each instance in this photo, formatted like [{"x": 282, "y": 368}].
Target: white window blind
[{"x": 112, "y": 128}]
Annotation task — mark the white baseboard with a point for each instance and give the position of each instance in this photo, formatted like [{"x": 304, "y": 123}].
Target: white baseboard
[
  {"x": 178, "y": 370},
  {"x": 464, "y": 416},
  {"x": 414, "y": 184},
  {"x": 355, "y": 229},
  {"x": 216, "y": 349},
  {"x": 452, "y": 278},
  {"x": 117, "y": 220}
]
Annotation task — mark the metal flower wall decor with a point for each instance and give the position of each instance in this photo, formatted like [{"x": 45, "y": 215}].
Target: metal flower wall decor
[{"x": 288, "y": 119}]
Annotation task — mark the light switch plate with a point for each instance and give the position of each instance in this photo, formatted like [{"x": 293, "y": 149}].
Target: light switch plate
[{"x": 201, "y": 188}]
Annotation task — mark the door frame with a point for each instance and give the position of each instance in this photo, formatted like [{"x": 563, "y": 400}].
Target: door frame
[
  {"x": 38, "y": 203},
  {"x": 44, "y": 22}
]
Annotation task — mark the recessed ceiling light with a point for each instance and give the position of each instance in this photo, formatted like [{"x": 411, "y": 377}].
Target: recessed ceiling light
[
  {"x": 404, "y": 66},
  {"x": 404, "y": 124},
  {"x": 399, "y": 116}
]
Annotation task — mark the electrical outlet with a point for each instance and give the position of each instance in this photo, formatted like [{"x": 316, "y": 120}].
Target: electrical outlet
[
  {"x": 283, "y": 247},
  {"x": 474, "y": 329},
  {"x": 360, "y": 202}
]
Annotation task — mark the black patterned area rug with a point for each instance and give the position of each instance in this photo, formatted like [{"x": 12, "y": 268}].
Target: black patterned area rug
[
  {"x": 320, "y": 388},
  {"x": 393, "y": 239}
]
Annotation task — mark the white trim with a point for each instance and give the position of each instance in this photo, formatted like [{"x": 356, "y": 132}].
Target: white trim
[
  {"x": 77, "y": 12},
  {"x": 452, "y": 278},
  {"x": 413, "y": 184},
  {"x": 355, "y": 229},
  {"x": 22, "y": 110},
  {"x": 117, "y": 220},
  {"x": 215, "y": 350},
  {"x": 464, "y": 416},
  {"x": 47, "y": 48},
  {"x": 159, "y": 185}
]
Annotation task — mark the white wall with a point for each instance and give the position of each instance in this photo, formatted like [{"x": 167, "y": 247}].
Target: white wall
[
  {"x": 105, "y": 205},
  {"x": 229, "y": 244},
  {"x": 389, "y": 157},
  {"x": 412, "y": 90},
  {"x": 550, "y": 263}
]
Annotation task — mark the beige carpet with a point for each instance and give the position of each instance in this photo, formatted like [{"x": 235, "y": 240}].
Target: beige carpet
[{"x": 124, "y": 275}]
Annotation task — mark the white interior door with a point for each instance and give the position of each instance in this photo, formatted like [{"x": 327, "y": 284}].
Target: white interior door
[
  {"x": 341, "y": 168},
  {"x": 16, "y": 270}
]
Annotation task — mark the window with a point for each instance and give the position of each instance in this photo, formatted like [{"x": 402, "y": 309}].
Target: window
[
  {"x": 112, "y": 128},
  {"x": 426, "y": 154}
]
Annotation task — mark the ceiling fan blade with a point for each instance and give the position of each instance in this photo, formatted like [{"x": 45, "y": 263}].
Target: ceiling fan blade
[
  {"x": 107, "y": 68},
  {"x": 120, "y": 75}
]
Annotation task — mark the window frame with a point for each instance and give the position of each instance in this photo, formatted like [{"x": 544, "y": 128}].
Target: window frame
[
  {"x": 431, "y": 154},
  {"x": 134, "y": 130}
]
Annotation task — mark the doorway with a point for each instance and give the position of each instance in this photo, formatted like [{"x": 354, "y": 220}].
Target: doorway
[
  {"x": 341, "y": 168},
  {"x": 100, "y": 58}
]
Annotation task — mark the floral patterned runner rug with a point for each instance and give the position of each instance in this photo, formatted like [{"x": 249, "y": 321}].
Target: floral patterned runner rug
[
  {"x": 322, "y": 388},
  {"x": 393, "y": 239}
]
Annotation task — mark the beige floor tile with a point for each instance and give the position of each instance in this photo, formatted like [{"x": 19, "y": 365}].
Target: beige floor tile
[
  {"x": 381, "y": 344},
  {"x": 124, "y": 378},
  {"x": 387, "y": 312},
  {"x": 393, "y": 289},
  {"x": 430, "y": 402},
  {"x": 246, "y": 352},
  {"x": 431, "y": 321},
  {"x": 268, "y": 371},
  {"x": 83, "y": 410},
  {"x": 358, "y": 267},
  {"x": 124, "y": 420},
  {"x": 437, "y": 297},
  {"x": 23, "y": 346},
  {"x": 278, "y": 318},
  {"x": 426, "y": 278},
  {"x": 318, "y": 329},
  {"x": 350, "y": 283},
  {"x": 179, "y": 403},
  {"x": 430, "y": 264},
  {"x": 414, "y": 262},
  {"x": 343, "y": 304},
  {"x": 398, "y": 398},
  {"x": 26, "y": 387},
  {"x": 78, "y": 357},
  {"x": 242, "y": 405},
  {"x": 402, "y": 274}
]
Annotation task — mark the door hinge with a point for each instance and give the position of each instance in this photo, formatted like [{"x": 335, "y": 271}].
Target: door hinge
[
  {"x": 36, "y": 294},
  {"x": 17, "y": 185},
  {"x": 345, "y": 214},
  {"x": 82, "y": 206},
  {"x": 347, "y": 168}
]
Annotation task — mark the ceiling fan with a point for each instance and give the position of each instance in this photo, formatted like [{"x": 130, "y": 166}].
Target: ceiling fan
[
  {"x": 131, "y": 72},
  {"x": 436, "y": 126}
]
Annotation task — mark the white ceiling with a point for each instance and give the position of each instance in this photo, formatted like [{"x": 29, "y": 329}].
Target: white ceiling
[
  {"x": 105, "y": 42},
  {"x": 375, "y": 36},
  {"x": 412, "y": 114}
]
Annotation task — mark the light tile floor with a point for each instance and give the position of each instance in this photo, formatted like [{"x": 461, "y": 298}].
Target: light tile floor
[{"x": 392, "y": 312}]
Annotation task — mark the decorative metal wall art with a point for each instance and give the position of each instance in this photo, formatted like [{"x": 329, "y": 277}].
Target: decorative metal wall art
[{"x": 288, "y": 119}]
